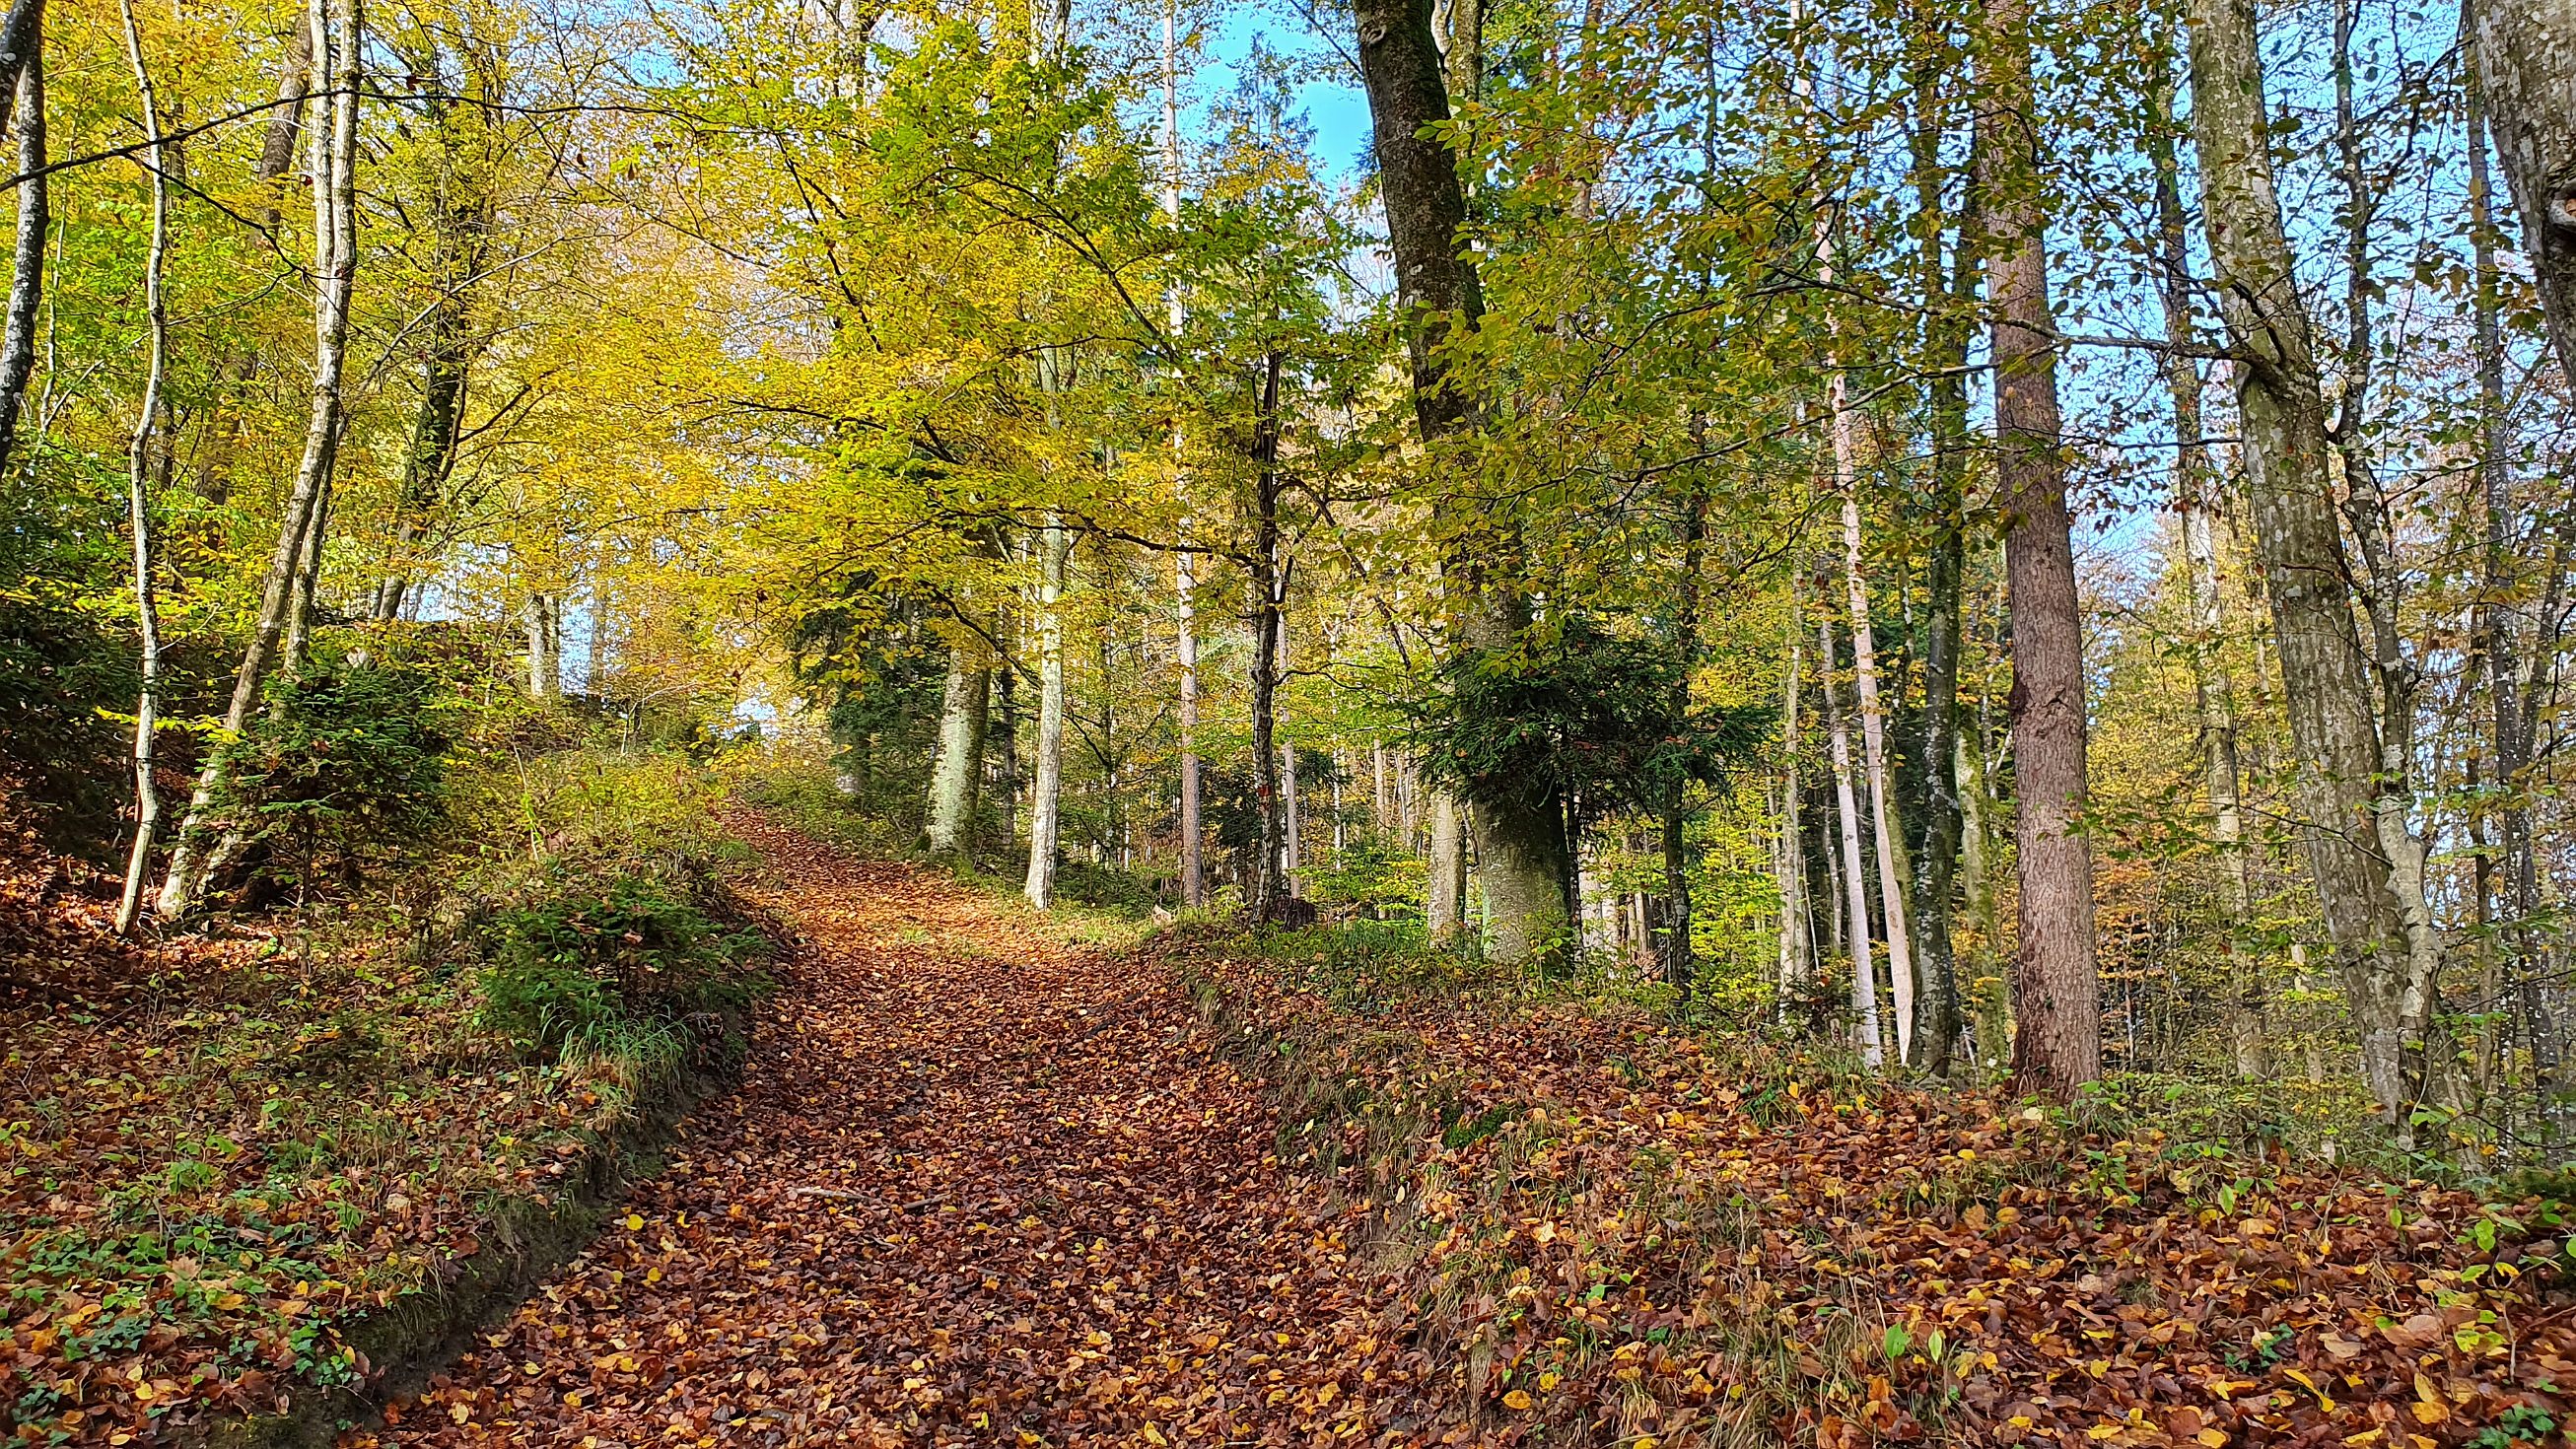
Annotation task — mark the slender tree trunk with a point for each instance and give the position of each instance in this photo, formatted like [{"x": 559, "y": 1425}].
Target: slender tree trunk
[
  {"x": 2499, "y": 626},
  {"x": 957, "y": 777},
  {"x": 2196, "y": 499},
  {"x": 1864, "y": 967},
  {"x": 1193, "y": 860},
  {"x": 1046, "y": 795},
  {"x": 2526, "y": 64},
  {"x": 1269, "y": 598},
  {"x": 1789, "y": 863},
  {"x": 277, "y": 140},
  {"x": 1886, "y": 833},
  {"x": 2058, "y": 1044},
  {"x": 1292, "y": 858},
  {"x": 2324, "y": 670},
  {"x": 27, "y": 260},
  {"x": 1520, "y": 848},
  {"x": 335, "y": 264},
  {"x": 1675, "y": 953},
  {"x": 139, "y": 471},
  {"x": 1946, "y": 326},
  {"x": 1383, "y": 797}
]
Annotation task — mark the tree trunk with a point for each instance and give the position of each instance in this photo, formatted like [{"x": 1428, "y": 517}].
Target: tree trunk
[
  {"x": 2324, "y": 670},
  {"x": 957, "y": 776},
  {"x": 1292, "y": 857},
  {"x": 1520, "y": 849},
  {"x": 1864, "y": 969},
  {"x": 1269, "y": 599},
  {"x": 2195, "y": 498},
  {"x": 138, "y": 472},
  {"x": 1674, "y": 954},
  {"x": 1886, "y": 833},
  {"x": 27, "y": 260},
  {"x": 2499, "y": 627},
  {"x": 286, "y": 118},
  {"x": 1046, "y": 795},
  {"x": 2058, "y": 1044},
  {"x": 1184, "y": 583},
  {"x": 335, "y": 148},
  {"x": 1444, "y": 905},
  {"x": 1789, "y": 862},
  {"x": 2526, "y": 65},
  {"x": 1948, "y": 288}
]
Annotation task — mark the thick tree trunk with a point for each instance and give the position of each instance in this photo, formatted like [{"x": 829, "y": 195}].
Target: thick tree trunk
[
  {"x": 2324, "y": 669},
  {"x": 2058, "y": 1044},
  {"x": 1046, "y": 794},
  {"x": 1864, "y": 968},
  {"x": 2196, "y": 497},
  {"x": 27, "y": 259},
  {"x": 138, "y": 458},
  {"x": 957, "y": 776},
  {"x": 1444, "y": 904},
  {"x": 1520, "y": 849},
  {"x": 2526, "y": 64},
  {"x": 335, "y": 149}
]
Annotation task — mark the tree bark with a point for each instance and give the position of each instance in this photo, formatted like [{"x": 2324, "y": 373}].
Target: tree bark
[
  {"x": 1864, "y": 968},
  {"x": 2499, "y": 627},
  {"x": 1444, "y": 905},
  {"x": 2058, "y": 1044},
  {"x": 1789, "y": 862},
  {"x": 2324, "y": 670},
  {"x": 2526, "y": 64},
  {"x": 1268, "y": 601},
  {"x": 2196, "y": 497},
  {"x": 335, "y": 148},
  {"x": 1046, "y": 795},
  {"x": 1520, "y": 849},
  {"x": 27, "y": 259},
  {"x": 1948, "y": 289},
  {"x": 139, "y": 470},
  {"x": 957, "y": 776}
]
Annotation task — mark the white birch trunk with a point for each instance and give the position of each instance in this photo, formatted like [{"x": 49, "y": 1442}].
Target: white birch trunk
[
  {"x": 138, "y": 476},
  {"x": 1045, "y": 799}
]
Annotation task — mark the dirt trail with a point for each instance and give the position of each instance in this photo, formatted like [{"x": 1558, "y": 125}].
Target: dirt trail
[{"x": 975, "y": 1188}]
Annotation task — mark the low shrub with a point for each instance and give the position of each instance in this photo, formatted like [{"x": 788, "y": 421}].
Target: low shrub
[
  {"x": 347, "y": 770},
  {"x": 588, "y": 955}
]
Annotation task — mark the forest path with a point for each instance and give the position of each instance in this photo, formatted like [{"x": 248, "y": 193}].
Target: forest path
[{"x": 976, "y": 1187}]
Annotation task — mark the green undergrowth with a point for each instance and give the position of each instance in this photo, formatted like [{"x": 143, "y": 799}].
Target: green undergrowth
[{"x": 224, "y": 1150}]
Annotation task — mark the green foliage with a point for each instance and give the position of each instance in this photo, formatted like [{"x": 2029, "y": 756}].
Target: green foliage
[
  {"x": 588, "y": 956},
  {"x": 348, "y": 768},
  {"x": 1371, "y": 874},
  {"x": 1575, "y": 712}
]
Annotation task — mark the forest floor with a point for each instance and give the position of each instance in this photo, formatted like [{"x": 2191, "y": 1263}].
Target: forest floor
[
  {"x": 982, "y": 1186},
  {"x": 977, "y": 1186}
]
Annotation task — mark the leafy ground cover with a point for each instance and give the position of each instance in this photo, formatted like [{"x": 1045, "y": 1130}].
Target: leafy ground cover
[
  {"x": 219, "y": 1151},
  {"x": 988, "y": 1183},
  {"x": 1607, "y": 1230}
]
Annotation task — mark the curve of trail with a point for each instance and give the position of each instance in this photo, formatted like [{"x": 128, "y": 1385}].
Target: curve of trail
[{"x": 975, "y": 1188}]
